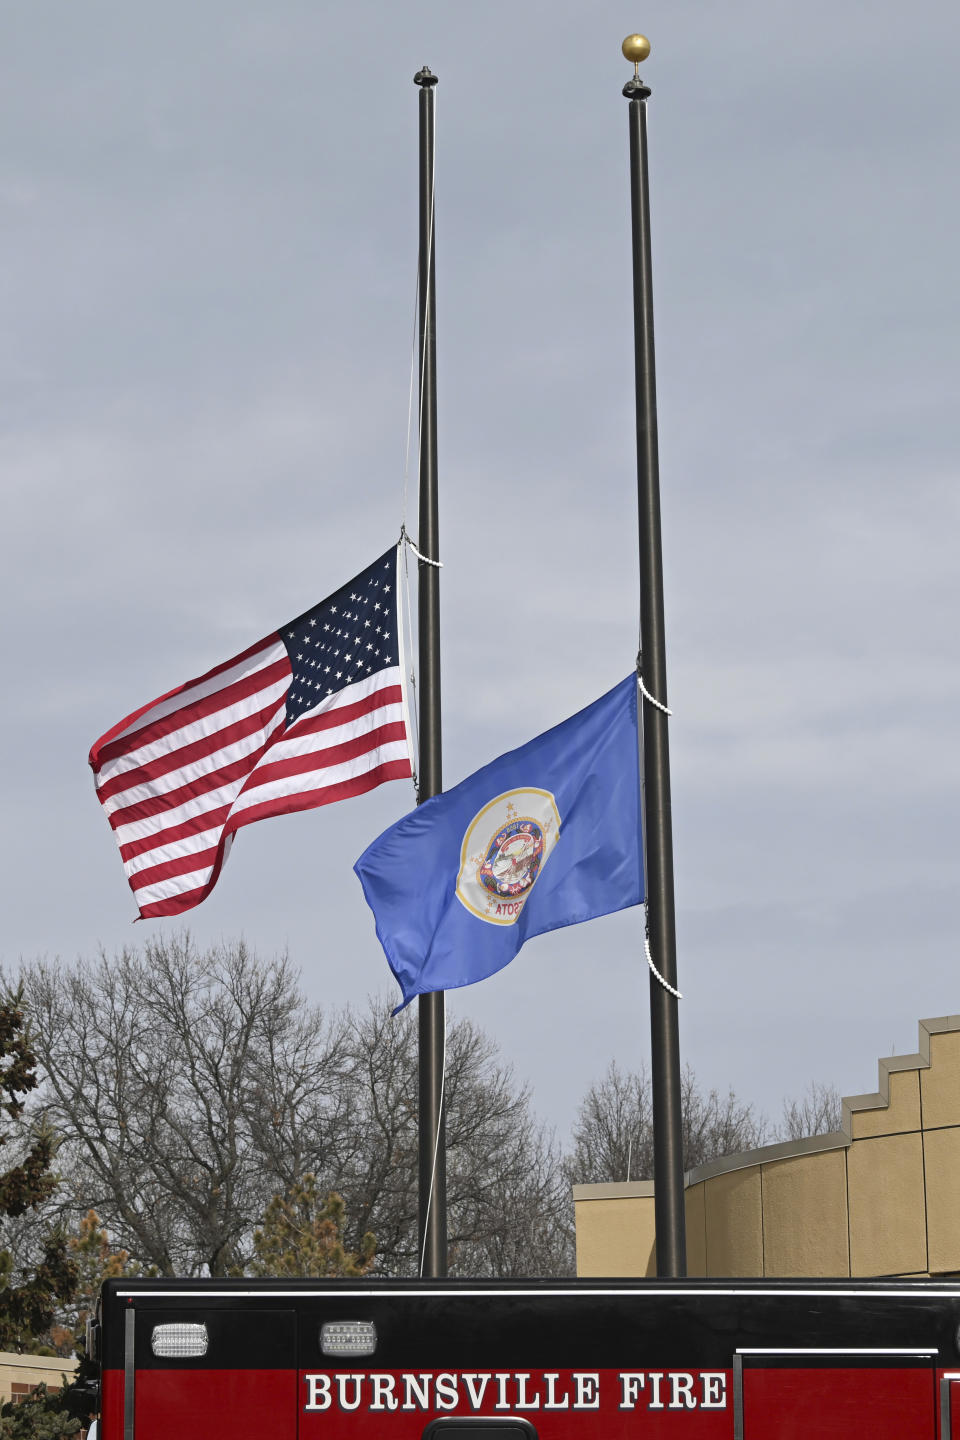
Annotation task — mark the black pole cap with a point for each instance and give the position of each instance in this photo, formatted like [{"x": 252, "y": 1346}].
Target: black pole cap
[{"x": 425, "y": 77}]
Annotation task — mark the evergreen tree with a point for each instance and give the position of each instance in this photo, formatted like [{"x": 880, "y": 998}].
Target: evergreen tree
[
  {"x": 302, "y": 1236},
  {"x": 27, "y": 1300},
  {"x": 42, "y": 1415}
]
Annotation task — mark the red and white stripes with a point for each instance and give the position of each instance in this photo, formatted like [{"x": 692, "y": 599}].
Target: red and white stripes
[{"x": 179, "y": 777}]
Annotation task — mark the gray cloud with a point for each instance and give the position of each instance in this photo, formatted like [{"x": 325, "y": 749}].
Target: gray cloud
[{"x": 208, "y": 260}]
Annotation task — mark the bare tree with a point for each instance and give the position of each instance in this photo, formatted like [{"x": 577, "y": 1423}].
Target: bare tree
[
  {"x": 508, "y": 1205},
  {"x": 188, "y": 1088},
  {"x": 613, "y": 1133},
  {"x": 191, "y": 1087},
  {"x": 818, "y": 1111}
]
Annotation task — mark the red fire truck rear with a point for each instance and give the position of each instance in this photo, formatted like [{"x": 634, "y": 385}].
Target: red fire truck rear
[{"x": 473, "y": 1360}]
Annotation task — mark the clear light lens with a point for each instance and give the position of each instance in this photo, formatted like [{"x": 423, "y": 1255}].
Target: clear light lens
[
  {"x": 348, "y": 1337},
  {"x": 179, "y": 1342}
]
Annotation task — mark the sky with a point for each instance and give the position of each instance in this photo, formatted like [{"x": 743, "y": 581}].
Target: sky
[{"x": 208, "y": 232}]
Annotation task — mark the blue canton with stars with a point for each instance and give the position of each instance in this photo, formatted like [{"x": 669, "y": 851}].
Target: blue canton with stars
[{"x": 348, "y": 636}]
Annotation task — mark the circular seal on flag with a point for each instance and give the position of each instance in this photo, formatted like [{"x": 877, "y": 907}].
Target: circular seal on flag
[{"x": 505, "y": 847}]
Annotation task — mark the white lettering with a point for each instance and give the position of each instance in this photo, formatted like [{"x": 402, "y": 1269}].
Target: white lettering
[
  {"x": 342, "y": 1382},
  {"x": 383, "y": 1396},
  {"x": 681, "y": 1384},
  {"x": 524, "y": 1402},
  {"x": 551, "y": 1402},
  {"x": 445, "y": 1391},
  {"x": 416, "y": 1392},
  {"x": 318, "y": 1392},
  {"x": 502, "y": 1403},
  {"x": 655, "y": 1402},
  {"x": 475, "y": 1391},
  {"x": 631, "y": 1383},
  {"x": 714, "y": 1383},
  {"x": 587, "y": 1391}
]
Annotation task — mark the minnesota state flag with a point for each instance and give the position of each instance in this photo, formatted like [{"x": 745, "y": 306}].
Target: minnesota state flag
[{"x": 545, "y": 836}]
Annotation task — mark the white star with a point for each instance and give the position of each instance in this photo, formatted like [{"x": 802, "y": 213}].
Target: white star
[
  {"x": 339, "y": 675},
  {"x": 369, "y": 646},
  {"x": 352, "y": 596},
  {"x": 348, "y": 658},
  {"x": 377, "y": 606},
  {"x": 366, "y": 624},
  {"x": 313, "y": 622},
  {"x": 326, "y": 627},
  {"x": 386, "y": 589},
  {"x": 300, "y": 655},
  {"x": 333, "y": 609}
]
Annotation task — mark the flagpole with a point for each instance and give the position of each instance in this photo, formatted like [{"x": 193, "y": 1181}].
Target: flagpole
[
  {"x": 432, "y": 1122},
  {"x": 655, "y": 753}
]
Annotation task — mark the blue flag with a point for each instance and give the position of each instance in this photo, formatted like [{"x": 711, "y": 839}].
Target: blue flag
[{"x": 545, "y": 836}]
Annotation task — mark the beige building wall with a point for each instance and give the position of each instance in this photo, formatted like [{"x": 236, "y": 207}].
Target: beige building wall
[
  {"x": 615, "y": 1230},
  {"x": 878, "y": 1197},
  {"x": 19, "y": 1374}
]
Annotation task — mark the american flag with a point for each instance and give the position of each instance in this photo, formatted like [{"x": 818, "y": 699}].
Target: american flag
[{"x": 316, "y": 712}]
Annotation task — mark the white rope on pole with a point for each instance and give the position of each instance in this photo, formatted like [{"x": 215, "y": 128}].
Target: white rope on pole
[
  {"x": 665, "y": 983},
  {"x": 405, "y": 538},
  {"x": 436, "y": 1147},
  {"x": 652, "y": 698},
  {"x": 646, "y": 929},
  {"x": 405, "y": 624}
]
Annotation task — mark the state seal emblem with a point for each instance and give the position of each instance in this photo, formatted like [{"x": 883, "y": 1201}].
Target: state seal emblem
[{"x": 505, "y": 848}]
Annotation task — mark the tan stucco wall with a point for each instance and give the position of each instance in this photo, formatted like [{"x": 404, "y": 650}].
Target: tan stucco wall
[
  {"x": 887, "y": 1220},
  {"x": 877, "y": 1198},
  {"x": 615, "y": 1229},
  {"x": 734, "y": 1223},
  {"x": 940, "y": 1084},
  {"x": 901, "y": 1113},
  {"x": 805, "y": 1215},
  {"x": 696, "y": 1228},
  {"x": 31, "y": 1370}
]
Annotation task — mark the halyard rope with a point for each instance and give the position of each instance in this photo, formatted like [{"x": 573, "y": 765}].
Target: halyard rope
[
  {"x": 652, "y": 698},
  {"x": 646, "y": 945},
  {"x": 405, "y": 539},
  {"x": 436, "y": 1147}
]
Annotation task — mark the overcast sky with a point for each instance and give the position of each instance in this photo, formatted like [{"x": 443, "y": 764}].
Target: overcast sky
[{"x": 207, "y": 283}]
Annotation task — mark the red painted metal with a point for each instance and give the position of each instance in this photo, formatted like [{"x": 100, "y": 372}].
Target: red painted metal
[
  {"x": 804, "y": 1402},
  {"x": 215, "y": 1405}
]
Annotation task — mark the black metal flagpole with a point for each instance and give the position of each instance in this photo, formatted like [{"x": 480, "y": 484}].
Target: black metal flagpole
[
  {"x": 432, "y": 1139},
  {"x": 655, "y": 752}
]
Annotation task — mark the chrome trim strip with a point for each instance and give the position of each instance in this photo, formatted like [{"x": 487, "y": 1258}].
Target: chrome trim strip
[
  {"x": 129, "y": 1371},
  {"x": 921, "y": 1289},
  {"x": 921, "y": 1351},
  {"x": 738, "y": 1396}
]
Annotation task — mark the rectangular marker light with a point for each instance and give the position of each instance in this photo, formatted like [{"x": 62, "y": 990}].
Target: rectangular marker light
[
  {"x": 181, "y": 1341},
  {"x": 348, "y": 1337}
]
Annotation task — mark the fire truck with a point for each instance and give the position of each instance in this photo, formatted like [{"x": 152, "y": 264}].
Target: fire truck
[{"x": 530, "y": 1360}]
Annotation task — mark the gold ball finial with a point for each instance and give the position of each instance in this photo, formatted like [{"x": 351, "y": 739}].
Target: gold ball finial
[{"x": 635, "y": 48}]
